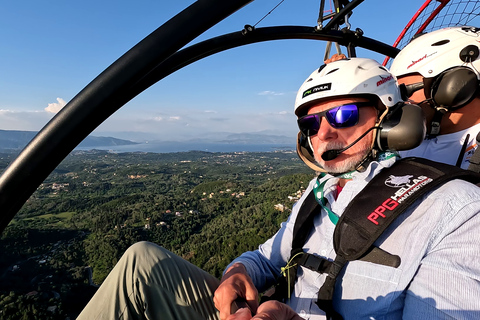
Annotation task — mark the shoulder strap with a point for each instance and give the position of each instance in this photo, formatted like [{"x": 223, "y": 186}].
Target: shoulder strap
[
  {"x": 304, "y": 221},
  {"x": 386, "y": 196}
]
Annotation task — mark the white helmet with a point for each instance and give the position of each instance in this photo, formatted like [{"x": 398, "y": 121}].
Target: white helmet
[
  {"x": 361, "y": 77},
  {"x": 347, "y": 77},
  {"x": 432, "y": 53},
  {"x": 448, "y": 60}
]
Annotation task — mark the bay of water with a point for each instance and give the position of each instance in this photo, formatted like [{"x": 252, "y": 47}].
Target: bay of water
[{"x": 167, "y": 147}]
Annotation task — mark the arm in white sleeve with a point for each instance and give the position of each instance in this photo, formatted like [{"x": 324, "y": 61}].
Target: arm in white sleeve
[{"x": 447, "y": 282}]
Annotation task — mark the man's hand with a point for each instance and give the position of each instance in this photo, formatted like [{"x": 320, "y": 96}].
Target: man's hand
[
  {"x": 235, "y": 284},
  {"x": 269, "y": 310}
]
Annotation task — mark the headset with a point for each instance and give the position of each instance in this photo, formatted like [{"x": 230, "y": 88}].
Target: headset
[
  {"x": 450, "y": 90},
  {"x": 453, "y": 88},
  {"x": 447, "y": 59},
  {"x": 402, "y": 128}
]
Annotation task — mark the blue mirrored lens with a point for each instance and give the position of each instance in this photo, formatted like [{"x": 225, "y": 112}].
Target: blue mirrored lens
[{"x": 343, "y": 116}]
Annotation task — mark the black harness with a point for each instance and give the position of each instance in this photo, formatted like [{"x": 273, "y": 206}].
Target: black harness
[{"x": 364, "y": 220}]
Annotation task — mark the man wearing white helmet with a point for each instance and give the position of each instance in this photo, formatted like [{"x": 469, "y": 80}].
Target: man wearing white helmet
[
  {"x": 350, "y": 115},
  {"x": 442, "y": 68},
  {"x": 424, "y": 266}
]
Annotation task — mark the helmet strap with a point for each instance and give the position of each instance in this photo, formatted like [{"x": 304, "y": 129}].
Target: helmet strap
[
  {"x": 310, "y": 143},
  {"x": 435, "y": 123}
]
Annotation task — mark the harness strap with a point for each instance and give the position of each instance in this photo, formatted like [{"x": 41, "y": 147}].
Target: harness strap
[
  {"x": 302, "y": 229},
  {"x": 315, "y": 263},
  {"x": 304, "y": 222},
  {"x": 325, "y": 294}
]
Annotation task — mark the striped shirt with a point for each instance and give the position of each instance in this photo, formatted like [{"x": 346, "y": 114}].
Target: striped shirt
[{"x": 446, "y": 148}]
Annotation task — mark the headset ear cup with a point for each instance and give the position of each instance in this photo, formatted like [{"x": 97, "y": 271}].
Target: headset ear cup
[
  {"x": 454, "y": 88},
  {"x": 404, "y": 128}
]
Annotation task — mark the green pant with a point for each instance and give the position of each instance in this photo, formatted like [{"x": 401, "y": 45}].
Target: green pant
[{"x": 150, "y": 282}]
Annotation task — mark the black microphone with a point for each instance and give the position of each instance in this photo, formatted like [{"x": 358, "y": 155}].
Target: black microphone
[
  {"x": 332, "y": 154},
  {"x": 406, "y": 91}
]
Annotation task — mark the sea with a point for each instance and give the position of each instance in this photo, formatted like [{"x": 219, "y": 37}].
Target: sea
[{"x": 168, "y": 147}]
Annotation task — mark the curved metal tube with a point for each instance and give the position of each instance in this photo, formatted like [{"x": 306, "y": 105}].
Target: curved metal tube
[{"x": 209, "y": 47}]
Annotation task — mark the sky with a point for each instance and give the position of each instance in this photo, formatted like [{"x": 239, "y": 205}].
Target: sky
[{"x": 49, "y": 51}]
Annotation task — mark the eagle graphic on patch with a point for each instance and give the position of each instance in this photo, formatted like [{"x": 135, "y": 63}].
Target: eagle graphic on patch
[{"x": 397, "y": 182}]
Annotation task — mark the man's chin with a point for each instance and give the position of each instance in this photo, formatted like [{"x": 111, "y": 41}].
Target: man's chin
[
  {"x": 337, "y": 170},
  {"x": 339, "y": 165},
  {"x": 344, "y": 162}
]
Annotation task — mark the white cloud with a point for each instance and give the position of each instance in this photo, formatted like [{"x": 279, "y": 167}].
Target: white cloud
[
  {"x": 23, "y": 120},
  {"x": 57, "y": 106},
  {"x": 270, "y": 93},
  {"x": 174, "y": 118}
]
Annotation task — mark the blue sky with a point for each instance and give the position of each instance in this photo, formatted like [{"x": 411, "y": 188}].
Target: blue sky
[{"x": 52, "y": 50}]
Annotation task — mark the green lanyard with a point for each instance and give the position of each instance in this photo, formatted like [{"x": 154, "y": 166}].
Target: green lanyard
[
  {"x": 318, "y": 191},
  {"x": 318, "y": 188}
]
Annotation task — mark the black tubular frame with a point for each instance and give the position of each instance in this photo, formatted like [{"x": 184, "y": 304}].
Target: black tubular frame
[{"x": 152, "y": 59}]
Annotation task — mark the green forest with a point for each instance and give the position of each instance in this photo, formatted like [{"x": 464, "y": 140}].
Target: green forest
[{"x": 206, "y": 207}]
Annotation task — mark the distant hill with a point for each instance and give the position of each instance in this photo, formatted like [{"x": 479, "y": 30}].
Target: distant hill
[
  {"x": 258, "y": 138},
  {"x": 16, "y": 140}
]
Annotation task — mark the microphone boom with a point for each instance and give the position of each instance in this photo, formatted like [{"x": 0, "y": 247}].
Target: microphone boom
[{"x": 334, "y": 153}]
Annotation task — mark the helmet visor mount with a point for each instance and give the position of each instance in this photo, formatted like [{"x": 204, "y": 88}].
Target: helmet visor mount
[{"x": 343, "y": 116}]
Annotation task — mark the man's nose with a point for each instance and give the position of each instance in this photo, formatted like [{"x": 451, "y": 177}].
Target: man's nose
[{"x": 326, "y": 131}]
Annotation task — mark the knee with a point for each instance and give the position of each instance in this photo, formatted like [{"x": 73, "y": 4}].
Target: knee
[
  {"x": 150, "y": 262},
  {"x": 142, "y": 247},
  {"x": 145, "y": 250}
]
